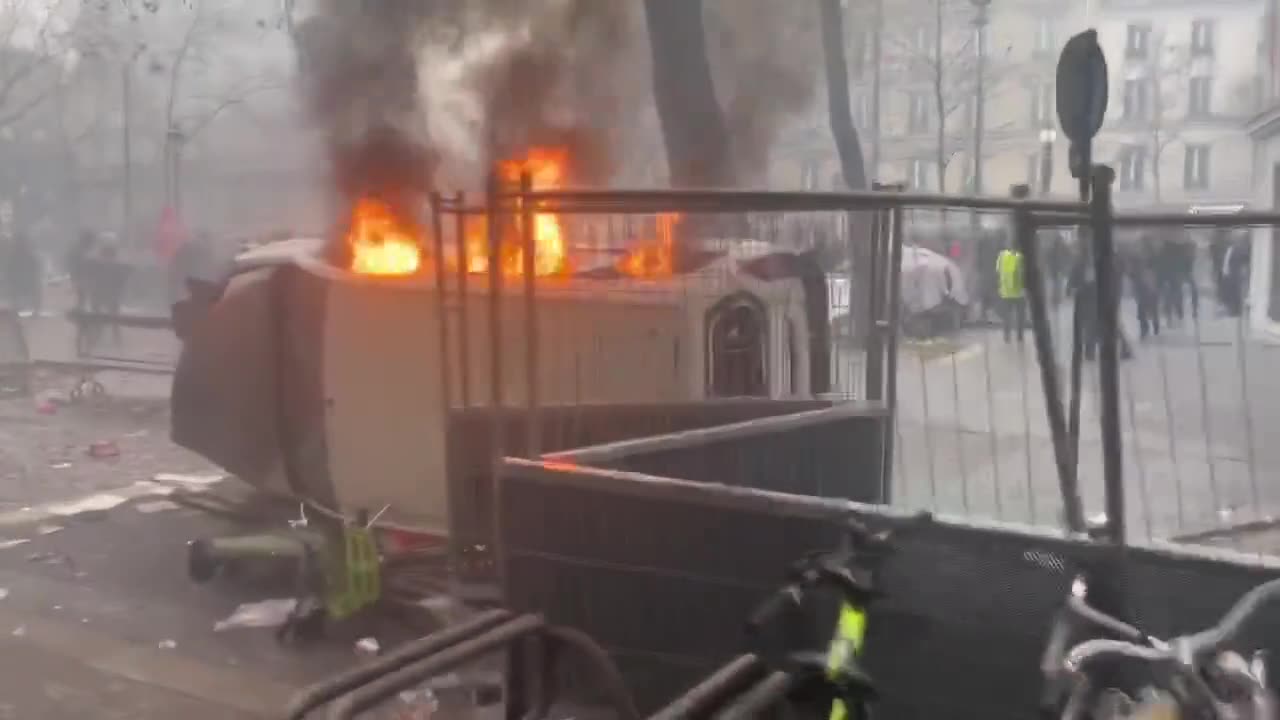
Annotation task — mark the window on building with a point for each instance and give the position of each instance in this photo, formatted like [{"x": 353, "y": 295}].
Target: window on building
[
  {"x": 918, "y": 112},
  {"x": 1042, "y": 97},
  {"x": 862, "y": 112},
  {"x": 861, "y": 53},
  {"x": 919, "y": 172},
  {"x": 809, "y": 175},
  {"x": 1200, "y": 97},
  {"x": 1137, "y": 41},
  {"x": 1132, "y": 170},
  {"x": 1195, "y": 168},
  {"x": 1201, "y": 37},
  {"x": 1137, "y": 99},
  {"x": 1046, "y": 38},
  {"x": 924, "y": 38}
]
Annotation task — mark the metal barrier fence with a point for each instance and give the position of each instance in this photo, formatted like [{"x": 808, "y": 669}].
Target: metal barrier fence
[
  {"x": 1194, "y": 396},
  {"x": 910, "y": 319},
  {"x": 564, "y": 298},
  {"x": 663, "y": 571}
]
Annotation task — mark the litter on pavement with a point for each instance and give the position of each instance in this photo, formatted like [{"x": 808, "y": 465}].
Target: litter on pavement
[
  {"x": 418, "y": 704},
  {"x": 262, "y": 614},
  {"x": 368, "y": 647},
  {"x": 103, "y": 450},
  {"x": 15, "y": 542},
  {"x": 157, "y": 506},
  {"x": 167, "y": 644},
  {"x": 47, "y": 529},
  {"x": 188, "y": 478}
]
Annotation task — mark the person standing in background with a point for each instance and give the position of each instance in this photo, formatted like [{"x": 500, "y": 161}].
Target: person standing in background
[
  {"x": 1143, "y": 273},
  {"x": 107, "y": 290},
  {"x": 77, "y": 267},
  {"x": 1012, "y": 301},
  {"x": 26, "y": 277}
]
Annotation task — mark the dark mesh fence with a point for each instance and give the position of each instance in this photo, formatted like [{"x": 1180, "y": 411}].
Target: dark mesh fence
[{"x": 663, "y": 572}]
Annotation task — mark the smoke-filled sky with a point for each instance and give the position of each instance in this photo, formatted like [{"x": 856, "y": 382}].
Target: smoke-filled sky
[{"x": 408, "y": 92}]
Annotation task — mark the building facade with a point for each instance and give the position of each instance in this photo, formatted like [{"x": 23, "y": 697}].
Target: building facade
[
  {"x": 1264, "y": 133},
  {"x": 1184, "y": 78}
]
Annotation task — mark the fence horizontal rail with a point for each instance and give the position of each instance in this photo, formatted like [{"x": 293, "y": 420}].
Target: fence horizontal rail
[
  {"x": 647, "y": 201},
  {"x": 1189, "y": 220}
]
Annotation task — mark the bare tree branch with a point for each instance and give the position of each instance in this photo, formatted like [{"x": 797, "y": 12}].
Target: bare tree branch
[{"x": 193, "y": 125}]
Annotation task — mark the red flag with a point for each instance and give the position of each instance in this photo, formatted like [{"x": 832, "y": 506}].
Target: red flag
[{"x": 170, "y": 234}]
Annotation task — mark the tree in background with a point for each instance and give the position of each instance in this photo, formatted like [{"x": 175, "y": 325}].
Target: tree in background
[
  {"x": 1157, "y": 101},
  {"x": 931, "y": 44},
  {"x": 835, "y": 63},
  {"x": 692, "y": 121}
]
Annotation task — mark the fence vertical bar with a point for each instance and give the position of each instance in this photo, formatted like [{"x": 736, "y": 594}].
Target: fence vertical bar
[
  {"x": 1024, "y": 235},
  {"x": 464, "y": 328},
  {"x": 873, "y": 370},
  {"x": 533, "y": 413},
  {"x": 1108, "y": 350},
  {"x": 1206, "y": 416},
  {"x": 1242, "y": 350},
  {"x": 442, "y": 299},
  {"x": 892, "y": 334},
  {"x": 493, "y": 228}
]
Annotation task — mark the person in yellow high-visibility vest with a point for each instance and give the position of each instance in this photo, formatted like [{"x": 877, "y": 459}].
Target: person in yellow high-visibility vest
[{"x": 1012, "y": 297}]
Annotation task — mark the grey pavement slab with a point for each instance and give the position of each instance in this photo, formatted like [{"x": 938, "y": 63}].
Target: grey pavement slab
[{"x": 1197, "y": 407}]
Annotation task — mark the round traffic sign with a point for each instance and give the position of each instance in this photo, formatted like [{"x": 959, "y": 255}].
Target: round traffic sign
[{"x": 1082, "y": 87}]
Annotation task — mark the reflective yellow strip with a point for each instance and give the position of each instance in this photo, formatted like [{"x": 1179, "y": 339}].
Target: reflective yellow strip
[
  {"x": 851, "y": 631},
  {"x": 853, "y": 626}
]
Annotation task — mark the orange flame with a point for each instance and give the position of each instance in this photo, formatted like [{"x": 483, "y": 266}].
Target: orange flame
[
  {"x": 656, "y": 257},
  {"x": 380, "y": 243},
  {"x": 547, "y": 168}
]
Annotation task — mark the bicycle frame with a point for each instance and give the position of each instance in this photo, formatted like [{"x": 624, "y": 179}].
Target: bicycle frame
[{"x": 846, "y": 644}]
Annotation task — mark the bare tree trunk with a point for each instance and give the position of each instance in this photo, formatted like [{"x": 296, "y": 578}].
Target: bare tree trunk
[
  {"x": 693, "y": 125},
  {"x": 848, "y": 146},
  {"x": 938, "y": 99},
  {"x": 854, "y": 173}
]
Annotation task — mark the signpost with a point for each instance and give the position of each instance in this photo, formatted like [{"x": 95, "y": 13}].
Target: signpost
[
  {"x": 1082, "y": 99},
  {"x": 1082, "y": 105}
]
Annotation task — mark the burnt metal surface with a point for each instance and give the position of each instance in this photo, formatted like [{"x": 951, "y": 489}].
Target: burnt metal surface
[
  {"x": 248, "y": 392},
  {"x": 662, "y": 573}
]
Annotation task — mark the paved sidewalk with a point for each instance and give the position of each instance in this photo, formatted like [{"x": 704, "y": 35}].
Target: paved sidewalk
[{"x": 1196, "y": 411}]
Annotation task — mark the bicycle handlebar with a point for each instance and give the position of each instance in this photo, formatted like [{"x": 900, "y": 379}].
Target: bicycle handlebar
[
  {"x": 1214, "y": 638},
  {"x": 1083, "y": 610},
  {"x": 829, "y": 568}
]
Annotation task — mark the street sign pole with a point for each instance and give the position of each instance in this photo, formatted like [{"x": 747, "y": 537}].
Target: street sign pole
[{"x": 1082, "y": 105}]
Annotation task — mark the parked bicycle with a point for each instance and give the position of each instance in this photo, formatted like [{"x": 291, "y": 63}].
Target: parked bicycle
[
  {"x": 1194, "y": 677},
  {"x": 834, "y": 685}
]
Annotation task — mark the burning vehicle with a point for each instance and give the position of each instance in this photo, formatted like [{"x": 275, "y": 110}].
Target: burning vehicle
[{"x": 320, "y": 367}]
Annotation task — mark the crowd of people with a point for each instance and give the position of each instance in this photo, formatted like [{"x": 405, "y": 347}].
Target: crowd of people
[{"x": 1157, "y": 269}]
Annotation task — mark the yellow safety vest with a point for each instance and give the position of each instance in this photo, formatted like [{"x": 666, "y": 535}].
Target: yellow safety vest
[{"x": 1009, "y": 272}]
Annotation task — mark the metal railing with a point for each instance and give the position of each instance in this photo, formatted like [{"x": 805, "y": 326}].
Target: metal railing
[{"x": 973, "y": 428}]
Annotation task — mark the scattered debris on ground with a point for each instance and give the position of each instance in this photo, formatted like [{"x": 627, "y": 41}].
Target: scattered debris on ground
[{"x": 261, "y": 614}]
